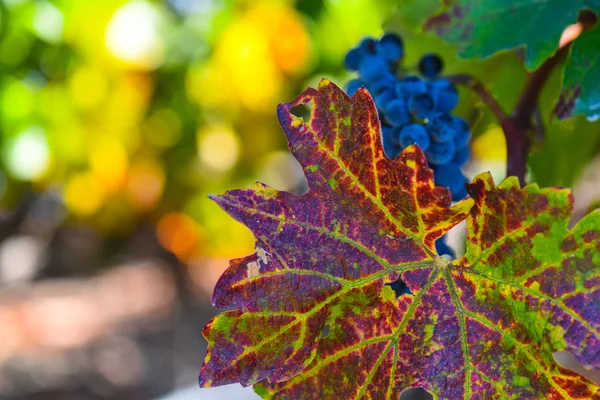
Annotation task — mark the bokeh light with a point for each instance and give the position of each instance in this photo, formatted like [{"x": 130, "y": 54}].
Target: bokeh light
[
  {"x": 133, "y": 35},
  {"x": 27, "y": 155}
]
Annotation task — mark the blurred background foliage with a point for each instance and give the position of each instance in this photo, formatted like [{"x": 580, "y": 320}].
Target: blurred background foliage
[
  {"x": 118, "y": 117},
  {"x": 137, "y": 110}
]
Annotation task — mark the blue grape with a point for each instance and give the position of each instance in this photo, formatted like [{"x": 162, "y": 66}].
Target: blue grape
[
  {"x": 440, "y": 153},
  {"x": 431, "y": 65},
  {"x": 413, "y": 110},
  {"x": 390, "y": 47},
  {"x": 451, "y": 176},
  {"x": 421, "y": 106},
  {"x": 372, "y": 67},
  {"x": 391, "y": 149},
  {"x": 367, "y": 45},
  {"x": 386, "y": 81},
  {"x": 440, "y": 128},
  {"x": 353, "y": 86},
  {"x": 461, "y": 139},
  {"x": 460, "y": 194},
  {"x": 445, "y": 95},
  {"x": 461, "y": 156},
  {"x": 410, "y": 86},
  {"x": 414, "y": 133},
  {"x": 396, "y": 112},
  {"x": 383, "y": 98},
  {"x": 391, "y": 133},
  {"x": 352, "y": 59},
  {"x": 442, "y": 248}
]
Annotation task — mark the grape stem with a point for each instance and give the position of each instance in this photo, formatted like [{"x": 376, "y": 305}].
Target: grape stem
[
  {"x": 518, "y": 124},
  {"x": 478, "y": 87}
]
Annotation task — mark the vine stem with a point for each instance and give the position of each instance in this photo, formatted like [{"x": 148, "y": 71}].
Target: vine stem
[{"x": 516, "y": 125}]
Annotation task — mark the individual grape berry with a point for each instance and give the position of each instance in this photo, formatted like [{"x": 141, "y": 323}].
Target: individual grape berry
[
  {"x": 353, "y": 86},
  {"x": 440, "y": 128},
  {"x": 414, "y": 133},
  {"x": 445, "y": 95},
  {"x": 352, "y": 59},
  {"x": 383, "y": 98},
  {"x": 367, "y": 45},
  {"x": 391, "y": 149},
  {"x": 451, "y": 176},
  {"x": 390, "y": 47},
  {"x": 421, "y": 106},
  {"x": 461, "y": 138},
  {"x": 440, "y": 153},
  {"x": 396, "y": 112},
  {"x": 442, "y": 248},
  {"x": 430, "y": 65},
  {"x": 461, "y": 156},
  {"x": 372, "y": 67},
  {"x": 384, "y": 82},
  {"x": 410, "y": 86}
]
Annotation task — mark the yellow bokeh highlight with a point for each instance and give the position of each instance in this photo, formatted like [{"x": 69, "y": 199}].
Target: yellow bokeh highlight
[
  {"x": 218, "y": 147},
  {"x": 88, "y": 87},
  {"x": 288, "y": 38},
  {"x": 252, "y": 58},
  {"x": 108, "y": 163},
  {"x": 491, "y": 145},
  {"x": 83, "y": 195}
]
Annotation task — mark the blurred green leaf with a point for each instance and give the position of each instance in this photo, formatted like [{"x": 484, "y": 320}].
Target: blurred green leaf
[
  {"x": 568, "y": 148},
  {"x": 580, "y": 94},
  {"x": 568, "y": 145},
  {"x": 482, "y": 28}
]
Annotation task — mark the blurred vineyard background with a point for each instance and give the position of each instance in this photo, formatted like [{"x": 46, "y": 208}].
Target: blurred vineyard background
[{"x": 118, "y": 118}]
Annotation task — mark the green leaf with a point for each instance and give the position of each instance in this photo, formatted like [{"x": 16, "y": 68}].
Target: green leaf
[
  {"x": 310, "y": 315},
  {"x": 568, "y": 147},
  {"x": 581, "y": 85},
  {"x": 483, "y": 27}
]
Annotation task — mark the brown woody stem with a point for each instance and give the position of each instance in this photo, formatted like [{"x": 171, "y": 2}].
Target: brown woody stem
[{"x": 516, "y": 125}]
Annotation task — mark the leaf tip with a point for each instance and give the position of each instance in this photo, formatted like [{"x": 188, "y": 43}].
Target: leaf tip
[
  {"x": 480, "y": 183},
  {"x": 414, "y": 157},
  {"x": 325, "y": 83}
]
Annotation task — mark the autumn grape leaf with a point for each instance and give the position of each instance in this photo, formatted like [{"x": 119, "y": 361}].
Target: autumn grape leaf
[
  {"x": 309, "y": 314},
  {"x": 482, "y": 28}
]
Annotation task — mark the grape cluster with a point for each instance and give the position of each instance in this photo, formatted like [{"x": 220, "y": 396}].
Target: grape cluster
[{"x": 413, "y": 109}]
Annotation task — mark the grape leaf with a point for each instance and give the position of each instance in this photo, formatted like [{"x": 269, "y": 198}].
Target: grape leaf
[
  {"x": 581, "y": 84},
  {"x": 310, "y": 315},
  {"x": 482, "y": 28}
]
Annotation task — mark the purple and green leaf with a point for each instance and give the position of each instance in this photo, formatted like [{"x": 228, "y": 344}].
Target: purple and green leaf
[
  {"x": 481, "y": 28},
  {"x": 310, "y": 315}
]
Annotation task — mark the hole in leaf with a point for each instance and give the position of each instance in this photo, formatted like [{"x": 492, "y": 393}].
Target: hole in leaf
[
  {"x": 569, "y": 361},
  {"x": 302, "y": 111},
  {"x": 415, "y": 394},
  {"x": 399, "y": 287},
  {"x": 325, "y": 331},
  {"x": 453, "y": 242}
]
